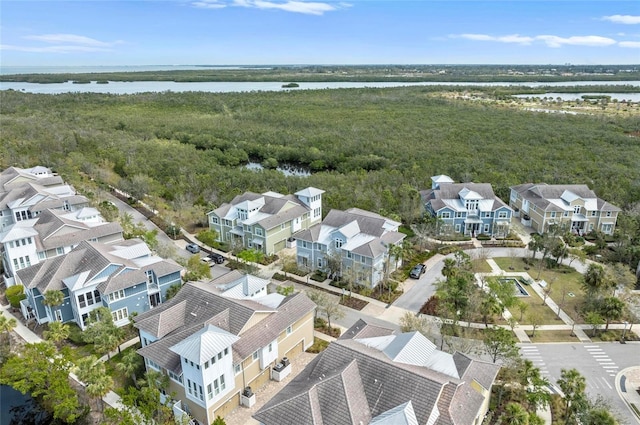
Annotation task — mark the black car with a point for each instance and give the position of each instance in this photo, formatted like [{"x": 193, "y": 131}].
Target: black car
[
  {"x": 217, "y": 258},
  {"x": 418, "y": 271}
]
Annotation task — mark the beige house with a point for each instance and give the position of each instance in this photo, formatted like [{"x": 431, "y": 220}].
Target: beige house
[
  {"x": 220, "y": 341},
  {"x": 575, "y": 207},
  {"x": 266, "y": 221},
  {"x": 371, "y": 375}
]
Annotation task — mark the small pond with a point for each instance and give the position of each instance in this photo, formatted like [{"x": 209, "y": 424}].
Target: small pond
[{"x": 518, "y": 287}]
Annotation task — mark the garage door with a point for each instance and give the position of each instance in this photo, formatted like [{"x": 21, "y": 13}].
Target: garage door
[
  {"x": 279, "y": 245},
  {"x": 297, "y": 349},
  {"x": 228, "y": 406},
  {"x": 260, "y": 379}
]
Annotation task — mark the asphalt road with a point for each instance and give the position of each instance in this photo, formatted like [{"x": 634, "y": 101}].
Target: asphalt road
[
  {"x": 425, "y": 287},
  {"x": 599, "y": 363}
]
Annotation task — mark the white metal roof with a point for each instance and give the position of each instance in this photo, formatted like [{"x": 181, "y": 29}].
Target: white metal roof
[
  {"x": 401, "y": 415},
  {"x": 309, "y": 192},
  {"x": 204, "y": 344}
]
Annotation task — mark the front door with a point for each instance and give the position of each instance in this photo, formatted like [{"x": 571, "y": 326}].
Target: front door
[{"x": 154, "y": 299}]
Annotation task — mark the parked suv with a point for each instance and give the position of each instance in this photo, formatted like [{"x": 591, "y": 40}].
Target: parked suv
[
  {"x": 216, "y": 258},
  {"x": 193, "y": 248},
  {"x": 418, "y": 271}
]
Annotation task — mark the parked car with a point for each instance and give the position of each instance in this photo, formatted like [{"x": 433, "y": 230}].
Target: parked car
[
  {"x": 193, "y": 248},
  {"x": 418, "y": 271},
  {"x": 208, "y": 261},
  {"x": 217, "y": 258}
]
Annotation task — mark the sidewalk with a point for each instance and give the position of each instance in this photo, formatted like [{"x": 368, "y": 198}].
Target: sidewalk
[{"x": 627, "y": 385}]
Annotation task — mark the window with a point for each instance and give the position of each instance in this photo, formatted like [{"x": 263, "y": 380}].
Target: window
[
  {"x": 320, "y": 263},
  {"x": 59, "y": 251},
  {"x": 349, "y": 255},
  {"x": 175, "y": 377},
  {"x": 459, "y": 214},
  {"x": 576, "y": 209},
  {"x": 89, "y": 296},
  {"x": 153, "y": 364},
  {"x": 59, "y": 314},
  {"x": 607, "y": 227},
  {"x": 11, "y": 244},
  {"x": 200, "y": 394},
  {"x": 189, "y": 386},
  {"x": 150, "y": 278},
  {"x": 255, "y": 355},
  {"x": 608, "y": 213},
  {"x": 258, "y": 231},
  {"x": 236, "y": 368},
  {"x": 206, "y": 364},
  {"x": 339, "y": 243},
  {"x": 120, "y": 314},
  {"x": 96, "y": 296},
  {"x": 82, "y": 301},
  {"x": 457, "y": 228},
  {"x": 220, "y": 355},
  {"x": 216, "y": 386},
  {"x": 42, "y": 255},
  {"x": 226, "y": 351},
  {"x": 271, "y": 347},
  {"x": 502, "y": 214},
  {"x": 316, "y": 212},
  {"x": 227, "y": 222},
  {"x": 594, "y": 213},
  {"x": 446, "y": 214},
  {"x": 552, "y": 214},
  {"x": 486, "y": 228},
  {"x": 222, "y": 384},
  {"x": 209, "y": 392},
  {"x": 566, "y": 214},
  {"x": 114, "y": 296},
  {"x": 289, "y": 329},
  {"x": 215, "y": 220},
  {"x": 213, "y": 360}
]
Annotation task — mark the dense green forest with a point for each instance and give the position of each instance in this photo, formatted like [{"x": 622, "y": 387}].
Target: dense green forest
[
  {"x": 368, "y": 148},
  {"x": 363, "y": 73}
]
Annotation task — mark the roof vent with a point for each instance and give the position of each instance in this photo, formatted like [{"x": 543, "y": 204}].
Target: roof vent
[{"x": 194, "y": 314}]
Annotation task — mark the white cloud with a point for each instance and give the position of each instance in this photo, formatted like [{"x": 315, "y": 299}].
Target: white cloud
[
  {"x": 52, "y": 49},
  {"x": 295, "y": 6},
  {"x": 622, "y": 19},
  {"x": 209, "y": 4},
  {"x": 514, "y": 38},
  {"x": 630, "y": 44},
  {"x": 550, "y": 40},
  {"x": 69, "y": 39},
  {"x": 62, "y": 43},
  {"x": 587, "y": 40}
]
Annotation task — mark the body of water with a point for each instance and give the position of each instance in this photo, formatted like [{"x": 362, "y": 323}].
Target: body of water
[
  {"x": 20, "y": 409},
  {"x": 132, "y": 87}
]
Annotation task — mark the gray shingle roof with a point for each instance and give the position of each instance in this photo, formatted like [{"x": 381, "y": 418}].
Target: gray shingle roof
[
  {"x": 364, "y": 383},
  {"x": 540, "y": 193},
  {"x": 197, "y": 304}
]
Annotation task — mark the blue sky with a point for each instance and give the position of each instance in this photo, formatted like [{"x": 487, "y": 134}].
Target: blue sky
[{"x": 255, "y": 32}]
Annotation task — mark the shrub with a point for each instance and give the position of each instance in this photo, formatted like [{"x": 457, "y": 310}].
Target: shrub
[
  {"x": 318, "y": 345},
  {"x": 319, "y": 276},
  {"x": 15, "y": 294},
  {"x": 483, "y": 237}
]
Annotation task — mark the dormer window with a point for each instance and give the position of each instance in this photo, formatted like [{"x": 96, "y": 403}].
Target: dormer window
[
  {"x": 339, "y": 243},
  {"x": 576, "y": 209}
]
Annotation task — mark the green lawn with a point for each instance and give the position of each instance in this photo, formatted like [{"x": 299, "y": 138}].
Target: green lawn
[
  {"x": 553, "y": 336},
  {"x": 546, "y": 315},
  {"x": 567, "y": 283},
  {"x": 481, "y": 266}
]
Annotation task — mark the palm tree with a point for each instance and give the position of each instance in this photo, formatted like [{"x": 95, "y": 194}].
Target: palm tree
[
  {"x": 573, "y": 385},
  {"x": 57, "y": 332},
  {"x": 129, "y": 364},
  {"x": 611, "y": 309},
  {"x": 93, "y": 373},
  {"x": 515, "y": 414},
  {"x": 6, "y": 326},
  {"x": 52, "y": 298}
]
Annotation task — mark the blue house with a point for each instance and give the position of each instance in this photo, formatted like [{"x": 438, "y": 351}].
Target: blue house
[
  {"x": 124, "y": 277},
  {"x": 467, "y": 208}
]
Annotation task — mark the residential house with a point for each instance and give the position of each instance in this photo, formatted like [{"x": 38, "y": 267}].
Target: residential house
[
  {"x": 265, "y": 222},
  {"x": 52, "y": 232},
  {"x": 371, "y": 375},
  {"x": 360, "y": 240},
  {"x": 24, "y": 193},
  {"x": 216, "y": 348},
  {"x": 573, "y": 206},
  {"x": 124, "y": 277},
  {"x": 467, "y": 208}
]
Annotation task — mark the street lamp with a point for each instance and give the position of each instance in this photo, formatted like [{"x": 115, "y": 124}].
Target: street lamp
[{"x": 624, "y": 331}]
